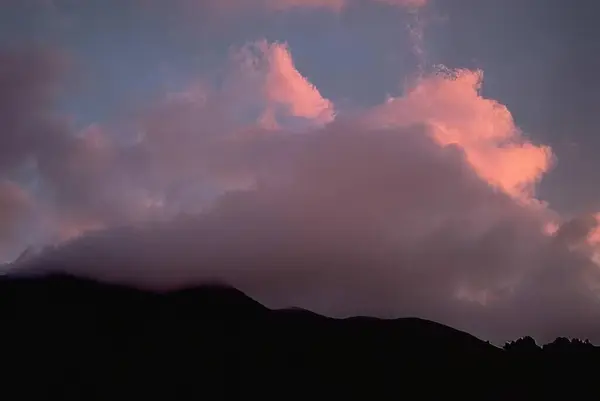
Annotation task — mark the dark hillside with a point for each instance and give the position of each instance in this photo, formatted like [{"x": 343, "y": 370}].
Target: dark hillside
[{"x": 69, "y": 338}]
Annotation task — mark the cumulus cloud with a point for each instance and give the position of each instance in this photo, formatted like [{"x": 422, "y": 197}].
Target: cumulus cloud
[
  {"x": 268, "y": 70},
  {"x": 90, "y": 179},
  {"x": 451, "y": 103},
  {"x": 424, "y": 205},
  {"x": 354, "y": 220},
  {"x": 76, "y": 180}
]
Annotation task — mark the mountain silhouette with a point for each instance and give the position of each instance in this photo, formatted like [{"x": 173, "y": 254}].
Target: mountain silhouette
[{"x": 69, "y": 338}]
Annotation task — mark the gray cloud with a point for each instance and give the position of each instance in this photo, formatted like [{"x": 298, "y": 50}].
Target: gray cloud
[
  {"x": 76, "y": 178},
  {"x": 15, "y": 206}
]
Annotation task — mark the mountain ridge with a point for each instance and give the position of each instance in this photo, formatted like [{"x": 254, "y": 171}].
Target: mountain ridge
[{"x": 77, "y": 338}]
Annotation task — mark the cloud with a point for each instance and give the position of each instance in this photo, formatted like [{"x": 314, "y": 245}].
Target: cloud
[
  {"x": 228, "y": 6},
  {"x": 15, "y": 205},
  {"x": 191, "y": 144},
  {"x": 89, "y": 179},
  {"x": 348, "y": 192},
  {"x": 424, "y": 205},
  {"x": 28, "y": 79},
  {"x": 268, "y": 70},
  {"x": 451, "y": 103},
  {"x": 351, "y": 219},
  {"x": 30, "y": 131},
  {"x": 74, "y": 179}
]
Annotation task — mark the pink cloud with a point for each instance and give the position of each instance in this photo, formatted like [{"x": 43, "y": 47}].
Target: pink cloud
[
  {"x": 413, "y": 207},
  {"x": 268, "y": 70},
  {"x": 353, "y": 218},
  {"x": 451, "y": 104}
]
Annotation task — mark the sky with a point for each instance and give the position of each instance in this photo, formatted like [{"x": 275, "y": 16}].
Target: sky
[{"x": 382, "y": 157}]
